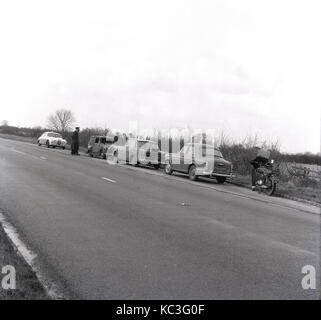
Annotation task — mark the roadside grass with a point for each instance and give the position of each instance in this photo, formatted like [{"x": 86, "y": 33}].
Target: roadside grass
[
  {"x": 27, "y": 285},
  {"x": 287, "y": 188},
  {"x": 307, "y": 193},
  {"x": 18, "y": 138}
]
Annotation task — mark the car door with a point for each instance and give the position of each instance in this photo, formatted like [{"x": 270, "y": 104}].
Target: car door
[
  {"x": 123, "y": 151},
  {"x": 181, "y": 160},
  {"x": 43, "y": 138},
  {"x": 144, "y": 153},
  {"x": 154, "y": 154},
  {"x": 187, "y": 158}
]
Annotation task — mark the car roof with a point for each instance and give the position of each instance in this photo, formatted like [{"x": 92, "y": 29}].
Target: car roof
[
  {"x": 107, "y": 137},
  {"x": 100, "y": 136},
  {"x": 146, "y": 141}
]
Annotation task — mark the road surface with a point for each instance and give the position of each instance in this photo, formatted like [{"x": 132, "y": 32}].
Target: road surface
[{"x": 118, "y": 232}]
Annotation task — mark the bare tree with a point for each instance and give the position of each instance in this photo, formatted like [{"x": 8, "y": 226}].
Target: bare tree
[{"x": 61, "y": 120}]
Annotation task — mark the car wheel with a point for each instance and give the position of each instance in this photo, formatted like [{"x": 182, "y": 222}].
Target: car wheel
[
  {"x": 63, "y": 148},
  {"x": 116, "y": 156},
  {"x": 168, "y": 168},
  {"x": 220, "y": 180},
  {"x": 272, "y": 187},
  {"x": 47, "y": 144},
  {"x": 39, "y": 144},
  {"x": 192, "y": 173}
]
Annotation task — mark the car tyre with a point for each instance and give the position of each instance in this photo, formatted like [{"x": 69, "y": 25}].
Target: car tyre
[
  {"x": 116, "y": 157},
  {"x": 192, "y": 173},
  {"x": 47, "y": 144},
  {"x": 168, "y": 168},
  {"x": 220, "y": 180},
  {"x": 271, "y": 190}
]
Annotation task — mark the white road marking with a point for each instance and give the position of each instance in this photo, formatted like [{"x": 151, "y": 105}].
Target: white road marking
[
  {"x": 27, "y": 154},
  {"x": 110, "y": 180},
  {"x": 31, "y": 259},
  {"x": 17, "y": 151}
]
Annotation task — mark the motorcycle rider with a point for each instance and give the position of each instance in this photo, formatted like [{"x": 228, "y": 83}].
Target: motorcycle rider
[{"x": 262, "y": 159}]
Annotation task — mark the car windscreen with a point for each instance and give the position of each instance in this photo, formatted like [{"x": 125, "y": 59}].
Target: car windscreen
[
  {"x": 54, "y": 135},
  {"x": 209, "y": 152},
  {"x": 141, "y": 143}
]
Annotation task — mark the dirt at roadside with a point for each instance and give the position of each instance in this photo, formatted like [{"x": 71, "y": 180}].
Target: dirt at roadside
[{"x": 27, "y": 285}]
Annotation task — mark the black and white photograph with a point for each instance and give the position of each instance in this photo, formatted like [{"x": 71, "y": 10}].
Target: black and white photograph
[{"x": 160, "y": 151}]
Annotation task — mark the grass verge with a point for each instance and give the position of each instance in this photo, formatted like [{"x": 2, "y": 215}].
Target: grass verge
[
  {"x": 285, "y": 189},
  {"x": 27, "y": 285}
]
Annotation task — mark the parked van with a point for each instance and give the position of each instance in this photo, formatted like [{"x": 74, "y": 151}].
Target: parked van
[{"x": 98, "y": 146}]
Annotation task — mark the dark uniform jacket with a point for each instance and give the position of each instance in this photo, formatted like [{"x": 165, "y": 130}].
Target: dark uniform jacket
[{"x": 75, "y": 142}]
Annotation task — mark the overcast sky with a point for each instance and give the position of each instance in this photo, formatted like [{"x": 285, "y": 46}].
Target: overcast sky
[{"x": 244, "y": 67}]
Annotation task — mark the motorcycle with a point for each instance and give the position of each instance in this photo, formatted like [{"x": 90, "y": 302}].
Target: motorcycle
[{"x": 266, "y": 178}]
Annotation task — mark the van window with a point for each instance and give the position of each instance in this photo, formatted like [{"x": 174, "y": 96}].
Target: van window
[
  {"x": 97, "y": 140},
  {"x": 103, "y": 140}
]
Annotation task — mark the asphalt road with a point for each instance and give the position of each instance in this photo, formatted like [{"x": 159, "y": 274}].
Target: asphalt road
[{"x": 118, "y": 232}]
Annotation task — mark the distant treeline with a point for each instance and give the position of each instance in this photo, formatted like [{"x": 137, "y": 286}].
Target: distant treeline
[
  {"x": 21, "y": 131},
  {"x": 36, "y": 132}
]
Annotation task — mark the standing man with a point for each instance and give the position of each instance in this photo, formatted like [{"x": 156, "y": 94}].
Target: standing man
[{"x": 75, "y": 142}]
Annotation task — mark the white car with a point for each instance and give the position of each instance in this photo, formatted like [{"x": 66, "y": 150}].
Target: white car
[{"x": 52, "y": 139}]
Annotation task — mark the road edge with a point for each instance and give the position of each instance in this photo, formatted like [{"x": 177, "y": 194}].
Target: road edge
[
  {"x": 278, "y": 195},
  {"x": 53, "y": 291}
]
